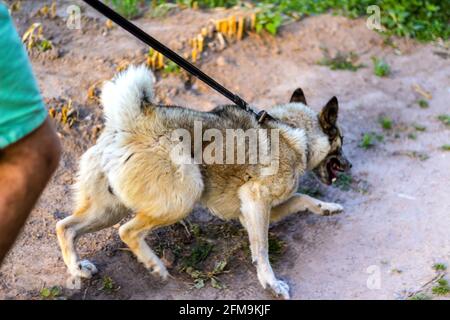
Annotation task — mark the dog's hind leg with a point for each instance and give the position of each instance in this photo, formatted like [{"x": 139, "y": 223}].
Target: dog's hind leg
[
  {"x": 255, "y": 217},
  {"x": 89, "y": 217},
  {"x": 301, "y": 202},
  {"x": 133, "y": 234}
]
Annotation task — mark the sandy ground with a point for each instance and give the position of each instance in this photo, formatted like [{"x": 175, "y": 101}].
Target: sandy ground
[{"x": 395, "y": 226}]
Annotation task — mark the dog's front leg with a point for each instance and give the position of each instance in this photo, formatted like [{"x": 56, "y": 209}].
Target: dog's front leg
[
  {"x": 255, "y": 216},
  {"x": 301, "y": 202}
]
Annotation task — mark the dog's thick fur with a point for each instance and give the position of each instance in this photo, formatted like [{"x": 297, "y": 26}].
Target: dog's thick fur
[{"x": 130, "y": 170}]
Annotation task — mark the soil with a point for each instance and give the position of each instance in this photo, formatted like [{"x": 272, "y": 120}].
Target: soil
[{"x": 395, "y": 225}]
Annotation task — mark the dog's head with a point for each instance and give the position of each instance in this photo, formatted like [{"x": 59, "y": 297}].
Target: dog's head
[{"x": 332, "y": 161}]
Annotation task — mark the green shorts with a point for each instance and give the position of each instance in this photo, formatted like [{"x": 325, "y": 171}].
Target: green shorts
[{"x": 21, "y": 106}]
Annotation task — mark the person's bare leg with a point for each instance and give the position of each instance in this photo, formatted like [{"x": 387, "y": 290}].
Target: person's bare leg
[{"x": 25, "y": 168}]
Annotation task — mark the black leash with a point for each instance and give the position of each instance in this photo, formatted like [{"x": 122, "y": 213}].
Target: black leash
[{"x": 183, "y": 63}]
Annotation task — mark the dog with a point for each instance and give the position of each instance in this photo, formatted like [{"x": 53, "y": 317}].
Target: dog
[{"x": 131, "y": 169}]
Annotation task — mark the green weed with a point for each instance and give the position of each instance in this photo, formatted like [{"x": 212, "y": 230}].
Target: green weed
[
  {"x": 201, "y": 278},
  {"x": 50, "y": 293},
  {"x": 439, "y": 267},
  {"x": 207, "y": 3},
  {"x": 342, "y": 61},
  {"x": 276, "y": 247},
  {"x": 446, "y": 147},
  {"x": 199, "y": 252},
  {"x": 269, "y": 18},
  {"x": 159, "y": 10},
  {"x": 369, "y": 140},
  {"x": 311, "y": 191},
  {"x": 386, "y": 122},
  {"x": 171, "y": 67},
  {"x": 420, "y": 296},
  {"x": 344, "y": 181},
  {"x": 380, "y": 67},
  {"x": 445, "y": 119},
  {"x": 127, "y": 8},
  {"x": 442, "y": 288},
  {"x": 423, "y": 104},
  {"x": 424, "y": 20},
  {"x": 109, "y": 285},
  {"x": 419, "y": 127}
]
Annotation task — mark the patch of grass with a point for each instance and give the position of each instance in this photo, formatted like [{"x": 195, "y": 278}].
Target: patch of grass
[
  {"x": 207, "y": 3},
  {"x": 201, "y": 278},
  {"x": 128, "y": 8},
  {"x": 439, "y": 267},
  {"x": 171, "y": 67},
  {"x": 276, "y": 247},
  {"x": 445, "y": 119},
  {"x": 423, "y": 104},
  {"x": 34, "y": 38},
  {"x": 160, "y": 10},
  {"x": 196, "y": 230},
  {"x": 419, "y": 127},
  {"x": 268, "y": 18},
  {"x": 446, "y": 147},
  {"x": 386, "y": 122},
  {"x": 422, "y": 156},
  {"x": 50, "y": 293},
  {"x": 108, "y": 285},
  {"x": 342, "y": 61},
  {"x": 311, "y": 191},
  {"x": 199, "y": 252},
  {"x": 45, "y": 45},
  {"x": 420, "y": 296},
  {"x": 369, "y": 140},
  {"x": 425, "y": 20},
  {"x": 442, "y": 288},
  {"x": 380, "y": 67},
  {"x": 344, "y": 181}
]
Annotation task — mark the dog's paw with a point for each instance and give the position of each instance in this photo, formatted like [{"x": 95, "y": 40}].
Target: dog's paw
[
  {"x": 160, "y": 271},
  {"x": 83, "y": 269},
  {"x": 280, "y": 289},
  {"x": 329, "y": 209}
]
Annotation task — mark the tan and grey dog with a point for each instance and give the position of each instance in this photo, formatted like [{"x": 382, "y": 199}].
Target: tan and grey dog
[{"x": 131, "y": 170}]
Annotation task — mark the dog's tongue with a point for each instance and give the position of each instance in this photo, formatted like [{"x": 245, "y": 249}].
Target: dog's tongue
[{"x": 332, "y": 171}]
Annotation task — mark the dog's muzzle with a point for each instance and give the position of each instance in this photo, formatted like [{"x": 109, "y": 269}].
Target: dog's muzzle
[{"x": 336, "y": 164}]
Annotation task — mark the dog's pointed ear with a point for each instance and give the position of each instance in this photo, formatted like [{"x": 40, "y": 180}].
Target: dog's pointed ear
[
  {"x": 328, "y": 116},
  {"x": 298, "y": 96}
]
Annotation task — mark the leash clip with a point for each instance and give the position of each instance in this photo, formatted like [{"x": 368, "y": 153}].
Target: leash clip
[{"x": 262, "y": 116}]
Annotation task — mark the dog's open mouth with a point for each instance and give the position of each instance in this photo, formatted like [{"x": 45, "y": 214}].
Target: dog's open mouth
[{"x": 333, "y": 167}]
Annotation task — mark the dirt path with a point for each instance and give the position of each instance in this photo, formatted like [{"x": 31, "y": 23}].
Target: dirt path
[{"x": 396, "y": 220}]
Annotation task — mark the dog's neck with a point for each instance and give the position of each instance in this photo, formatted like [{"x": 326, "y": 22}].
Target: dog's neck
[
  {"x": 301, "y": 130},
  {"x": 318, "y": 148}
]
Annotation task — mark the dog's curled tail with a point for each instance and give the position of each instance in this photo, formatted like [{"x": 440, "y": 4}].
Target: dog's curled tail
[{"x": 122, "y": 97}]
